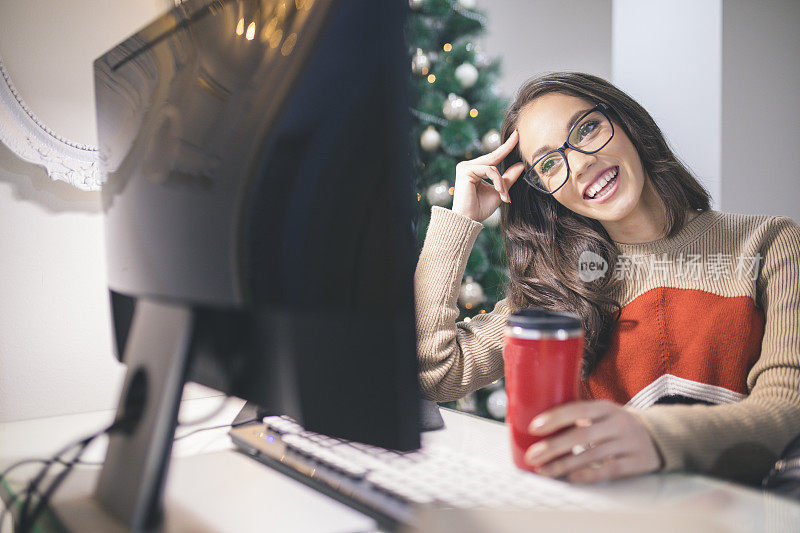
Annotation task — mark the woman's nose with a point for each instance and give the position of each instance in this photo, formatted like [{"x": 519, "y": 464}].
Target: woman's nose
[{"x": 579, "y": 163}]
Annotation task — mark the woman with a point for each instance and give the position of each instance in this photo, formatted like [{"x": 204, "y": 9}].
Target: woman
[{"x": 692, "y": 358}]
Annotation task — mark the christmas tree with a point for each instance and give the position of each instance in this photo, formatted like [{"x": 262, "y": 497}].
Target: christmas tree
[{"x": 456, "y": 115}]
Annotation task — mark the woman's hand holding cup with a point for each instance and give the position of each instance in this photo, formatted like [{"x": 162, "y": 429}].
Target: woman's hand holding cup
[{"x": 475, "y": 198}]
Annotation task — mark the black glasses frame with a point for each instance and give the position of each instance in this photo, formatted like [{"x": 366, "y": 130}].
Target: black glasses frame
[{"x": 602, "y": 108}]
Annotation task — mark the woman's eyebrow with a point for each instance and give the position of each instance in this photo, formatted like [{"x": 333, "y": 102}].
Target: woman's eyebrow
[{"x": 544, "y": 149}]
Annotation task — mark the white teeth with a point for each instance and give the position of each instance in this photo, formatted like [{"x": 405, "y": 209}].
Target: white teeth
[{"x": 594, "y": 189}]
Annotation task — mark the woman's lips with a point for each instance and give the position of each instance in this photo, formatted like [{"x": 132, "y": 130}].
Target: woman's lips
[
  {"x": 598, "y": 177},
  {"x": 614, "y": 185}
]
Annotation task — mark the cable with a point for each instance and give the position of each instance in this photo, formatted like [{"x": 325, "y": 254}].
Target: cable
[
  {"x": 48, "y": 493},
  {"x": 16, "y": 496},
  {"x": 209, "y": 416},
  {"x": 7, "y": 507},
  {"x": 217, "y": 427},
  {"x": 26, "y": 518}
]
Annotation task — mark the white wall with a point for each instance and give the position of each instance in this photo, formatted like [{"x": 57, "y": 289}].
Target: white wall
[
  {"x": 55, "y": 344},
  {"x": 761, "y": 107},
  {"x": 534, "y": 36},
  {"x": 667, "y": 56}
]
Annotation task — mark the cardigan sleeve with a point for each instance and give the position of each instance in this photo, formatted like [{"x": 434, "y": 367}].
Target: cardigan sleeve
[
  {"x": 741, "y": 440},
  {"x": 454, "y": 358}
]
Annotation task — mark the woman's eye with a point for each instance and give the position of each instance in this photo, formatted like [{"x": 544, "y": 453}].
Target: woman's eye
[
  {"x": 549, "y": 165},
  {"x": 586, "y": 128}
]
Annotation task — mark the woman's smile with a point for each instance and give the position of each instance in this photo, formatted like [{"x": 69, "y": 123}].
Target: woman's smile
[{"x": 603, "y": 186}]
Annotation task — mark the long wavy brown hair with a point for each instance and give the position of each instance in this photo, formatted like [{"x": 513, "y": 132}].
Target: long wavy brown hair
[{"x": 544, "y": 239}]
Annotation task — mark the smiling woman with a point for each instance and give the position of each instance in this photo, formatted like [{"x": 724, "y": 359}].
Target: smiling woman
[{"x": 688, "y": 305}]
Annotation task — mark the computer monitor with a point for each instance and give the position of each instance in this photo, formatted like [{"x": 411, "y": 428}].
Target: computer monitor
[{"x": 258, "y": 210}]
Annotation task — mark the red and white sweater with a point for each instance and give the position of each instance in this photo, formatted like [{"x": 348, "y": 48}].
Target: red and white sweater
[{"x": 710, "y": 317}]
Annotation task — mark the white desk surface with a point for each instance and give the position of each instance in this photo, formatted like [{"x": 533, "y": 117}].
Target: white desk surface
[{"x": 227, "y": 491}]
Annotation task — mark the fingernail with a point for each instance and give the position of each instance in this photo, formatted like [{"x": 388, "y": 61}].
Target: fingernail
[
  {"x": 535, "y": 451},
  {"x": 537, "y": 423}
]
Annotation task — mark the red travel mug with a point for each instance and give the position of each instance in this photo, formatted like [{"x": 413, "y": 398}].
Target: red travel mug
[{"x": 542, "y": 353}]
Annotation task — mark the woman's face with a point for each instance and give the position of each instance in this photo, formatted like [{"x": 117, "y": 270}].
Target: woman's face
[{"x": 544, "y": 124}]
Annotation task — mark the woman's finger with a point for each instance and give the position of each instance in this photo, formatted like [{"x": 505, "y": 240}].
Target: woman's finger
[
  {"x": 479, "y": 172},
  {"x": 512, "y": 174},
  {"x": 551, "y": 448},
  {"x": 497, "y": 178},
  {"x": 610, "y": 468},
  {"x": 565, "y": 415},
  {"x": 495, "y": 156},
  {"x": 572, "y": 463}
]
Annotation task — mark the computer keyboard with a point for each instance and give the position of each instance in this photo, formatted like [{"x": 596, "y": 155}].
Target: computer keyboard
[{"x": 392, "y": 485}]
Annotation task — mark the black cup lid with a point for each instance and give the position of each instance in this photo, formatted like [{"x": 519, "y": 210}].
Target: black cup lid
[{"x": 543, "y": 319}]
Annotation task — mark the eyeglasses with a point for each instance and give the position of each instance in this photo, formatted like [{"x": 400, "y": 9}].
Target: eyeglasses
[{"x": 590, "y": 133}]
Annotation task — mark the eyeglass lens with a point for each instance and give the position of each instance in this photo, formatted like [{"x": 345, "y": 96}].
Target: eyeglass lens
[{"x": 589, "y": 135}]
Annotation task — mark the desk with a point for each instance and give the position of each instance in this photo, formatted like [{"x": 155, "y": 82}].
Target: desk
[{"x": 222, "y": 490}]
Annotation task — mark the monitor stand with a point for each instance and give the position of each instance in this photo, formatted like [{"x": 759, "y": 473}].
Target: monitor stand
[{"x": 131, "y": 484}]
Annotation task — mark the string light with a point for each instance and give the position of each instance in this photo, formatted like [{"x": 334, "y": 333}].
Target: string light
[
  {"x": 425, "y": 71},
  {"x": 419, "y": 197},
  {"x": 467, "y": 319},
  {"x": 451, "y": 190},
  {"x": 447, "y": 47},
  {"x": 288, "y": 44},
  {"x": 275, "y": 38},
  {"x": 431, "y": 78},
  {"x": 473, "y": 112},
  {"x": 251, "y": 31},
  {"x": 268, "y": 30},
  {"x": 240, "y": 27}
]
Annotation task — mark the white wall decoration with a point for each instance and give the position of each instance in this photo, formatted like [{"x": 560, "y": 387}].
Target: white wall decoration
[{"x": 25, "y": 135}]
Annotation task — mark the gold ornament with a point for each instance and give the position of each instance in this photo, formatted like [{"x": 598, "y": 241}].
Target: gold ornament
[
  {"x": 491, "y": 141},
  {"x": 471, "y": 293},
  {"x": 466, "y": 74},
  {"x": 455, "y": 107},
  {"x": 420, "y": 63},
  {"x": 430, "y": 139},
  {"x": 439, "y": 194}
]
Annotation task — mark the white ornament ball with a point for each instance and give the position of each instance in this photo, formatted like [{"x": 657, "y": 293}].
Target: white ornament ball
[
  {"x": 480, "y": 58},
  {"x": 455, "y": 107},
  {"x": 497, "y": 404},
  {"x": 415, "y": 4},
  {"x": 430, "y": 139},
  {"x": 439, "y": 194},
  {"x": 467, "y": 4},
  {"x": 491, "y": 141},
  {"x": 420, "y": 62},
  {"x": 466, "y": 74},
  {"x": 494, "y": 219},
  {"x": 471, "y": 293}
]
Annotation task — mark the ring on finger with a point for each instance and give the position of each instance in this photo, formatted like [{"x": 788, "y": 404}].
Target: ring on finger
[{"x": 580, "y": 448}]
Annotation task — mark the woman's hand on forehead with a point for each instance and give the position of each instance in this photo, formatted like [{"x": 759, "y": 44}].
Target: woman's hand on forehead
[{"x": 477, "y": 199}]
